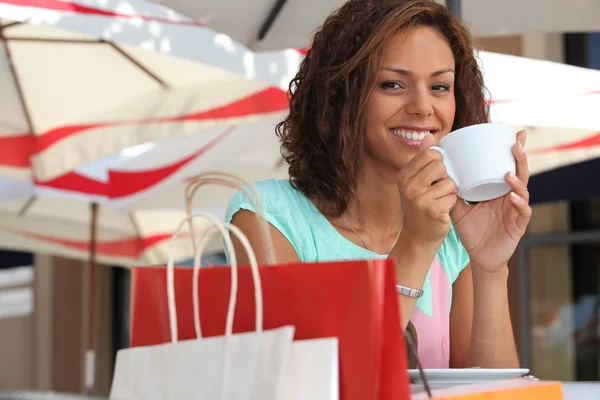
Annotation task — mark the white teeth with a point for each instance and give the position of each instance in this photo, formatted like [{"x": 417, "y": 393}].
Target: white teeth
[{"x": 411, "y": 135}]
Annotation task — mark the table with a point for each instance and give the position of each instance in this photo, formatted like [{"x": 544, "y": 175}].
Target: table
[
  {"x": 571, "y": 390},
  {"x": 39, "y": 395},
  {"x": 581, "y": 390}
]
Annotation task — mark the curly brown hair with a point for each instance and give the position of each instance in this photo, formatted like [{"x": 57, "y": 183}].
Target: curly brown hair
[{"x": 322, "y": 137}]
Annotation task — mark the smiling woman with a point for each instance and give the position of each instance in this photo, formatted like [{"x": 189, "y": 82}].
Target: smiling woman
[{"x": 382, "y": 82}]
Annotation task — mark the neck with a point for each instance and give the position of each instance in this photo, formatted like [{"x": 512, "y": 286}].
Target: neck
[{"x": 376, "y": 207}]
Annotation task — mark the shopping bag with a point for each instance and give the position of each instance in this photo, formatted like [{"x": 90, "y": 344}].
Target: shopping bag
[
  {"x": 251, "y": 365},
  {"x": 312, "y": 372},
  {"x": 355, "y": 301}
]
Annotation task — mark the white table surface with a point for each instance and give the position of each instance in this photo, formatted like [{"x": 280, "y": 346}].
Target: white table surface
[
  {"x": 581, "y": 390},
  {"x": 571, "y": 390}
]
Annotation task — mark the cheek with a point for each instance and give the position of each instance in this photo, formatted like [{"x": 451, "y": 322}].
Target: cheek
[
  {"x": 447, "y": 111},
  {"x": 381, "y": 108}
]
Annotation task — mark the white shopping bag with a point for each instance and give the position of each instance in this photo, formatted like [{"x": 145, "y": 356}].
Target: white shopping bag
[
  {"x": 313, "y": 370},
  {"x": 243, "y": 366}
]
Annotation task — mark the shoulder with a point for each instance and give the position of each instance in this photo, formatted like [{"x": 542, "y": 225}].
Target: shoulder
[
  {"x": 452, "y": 255},
  {"x": 283, "y": 206},
  {"x": 273, "y": 194}
]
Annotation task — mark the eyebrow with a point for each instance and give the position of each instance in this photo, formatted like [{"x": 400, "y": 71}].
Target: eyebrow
[{"x": 409, "y": 73}]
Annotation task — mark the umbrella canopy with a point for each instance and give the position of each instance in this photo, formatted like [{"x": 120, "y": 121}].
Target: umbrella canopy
[
  {"x": 65, "y": 227},
  {"x": 155, "y": 176},
  {"x": 113, "y": 78},
  {"x": 147, "y": 185},
  {"x": 260, "y": 24},
  {"x": 280, "y": 24}
]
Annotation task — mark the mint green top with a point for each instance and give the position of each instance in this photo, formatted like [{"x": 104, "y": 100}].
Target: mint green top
[{"x": 315, "y": 239}]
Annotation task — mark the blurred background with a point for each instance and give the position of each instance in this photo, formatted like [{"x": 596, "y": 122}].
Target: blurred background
[{"x": 107, "y": 108}]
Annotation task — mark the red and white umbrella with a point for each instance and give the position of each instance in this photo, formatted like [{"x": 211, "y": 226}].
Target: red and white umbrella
[
  {"x": 147, "y": 184},
  {"x": 83, "y": 80},
  {"x": 153, "y": 177}
]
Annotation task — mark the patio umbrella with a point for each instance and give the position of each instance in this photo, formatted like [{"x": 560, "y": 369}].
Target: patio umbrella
[
  {"x": 123, "y": 198},
  {"x": 80, "y": 82},
  {"x": 66, "y": 227},
  {"x": 154, "y": 176}
]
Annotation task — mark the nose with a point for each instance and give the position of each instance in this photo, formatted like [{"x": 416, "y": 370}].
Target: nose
[{"x": 419, "y": 103}]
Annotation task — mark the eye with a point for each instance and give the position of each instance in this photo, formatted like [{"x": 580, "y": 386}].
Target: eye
[
  {"x": 390, "y": 85},
  {"x": 441, "y": 87}
]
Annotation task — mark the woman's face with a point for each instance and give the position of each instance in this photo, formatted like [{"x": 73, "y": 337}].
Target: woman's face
[{"x": 414, "y": 95}]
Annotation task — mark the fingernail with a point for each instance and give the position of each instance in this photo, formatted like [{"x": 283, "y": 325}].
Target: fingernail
[
  {"x": 512, "y": 176},
  {"x": 521, "y": 149},
  {"x": 515, "y": 196}
]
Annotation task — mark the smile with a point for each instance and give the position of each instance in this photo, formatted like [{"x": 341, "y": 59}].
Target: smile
[{"x": 409, "y": 135}]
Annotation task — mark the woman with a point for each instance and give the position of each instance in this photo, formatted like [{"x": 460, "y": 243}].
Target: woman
[{"x": 382, "y": 82}]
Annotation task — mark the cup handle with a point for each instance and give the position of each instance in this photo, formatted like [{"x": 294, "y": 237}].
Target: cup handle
[{"x": 447, "y": 163}]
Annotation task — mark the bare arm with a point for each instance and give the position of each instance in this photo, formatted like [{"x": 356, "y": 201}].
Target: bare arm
[
  {"x": 248, "y": 223},
  {"x": 461, "y": 319},
  {"x": 481, "y": 333},
  {"x": 492, "y": 340}
]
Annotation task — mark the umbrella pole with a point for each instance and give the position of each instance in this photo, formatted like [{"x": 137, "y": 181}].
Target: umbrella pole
[
  {"x": 90, "y": 354},
  {"x": 273, "y": 14}
]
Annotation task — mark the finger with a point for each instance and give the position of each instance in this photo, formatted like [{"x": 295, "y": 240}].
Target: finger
[
  {"x": 523, "y": 209},
  {"x": 421, "y": 161},
  {"x": 517, "y": 185},
  {"x": 446, "y": 203},
  {"x": 427, "y": 142},
  {"x": 442, "y": 188},
  {"x": 520, "y": 155},
  {"x": 522, "y": 137},
  {"x": 433, "y": 172}
]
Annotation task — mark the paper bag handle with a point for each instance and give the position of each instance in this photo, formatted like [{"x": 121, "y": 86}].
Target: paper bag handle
[
  {"x": 232, "y": 299},
  {"x": 227, "y": 179},
  {"x": 206, "y": 237},
  {"x": 234, "y": 276}
]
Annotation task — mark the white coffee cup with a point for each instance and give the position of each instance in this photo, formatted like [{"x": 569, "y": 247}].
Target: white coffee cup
[{"x": 477, "y": 159}]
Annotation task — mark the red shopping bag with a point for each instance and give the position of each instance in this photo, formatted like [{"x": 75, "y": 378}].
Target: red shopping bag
[{"x": 353, "y": 301}]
